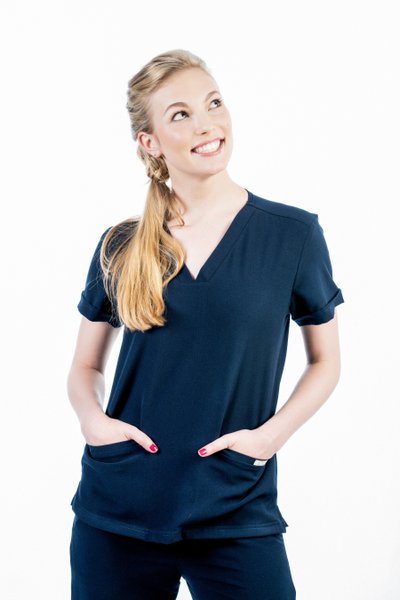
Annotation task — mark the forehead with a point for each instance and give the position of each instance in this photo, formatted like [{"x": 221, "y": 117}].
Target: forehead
[{"x": 189, "y": 85}]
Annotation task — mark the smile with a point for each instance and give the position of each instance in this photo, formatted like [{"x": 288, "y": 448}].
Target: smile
[{"x": 209, "y": 149}]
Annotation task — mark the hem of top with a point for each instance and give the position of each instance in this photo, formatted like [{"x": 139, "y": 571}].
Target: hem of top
[{"x": 176, "y": 535}]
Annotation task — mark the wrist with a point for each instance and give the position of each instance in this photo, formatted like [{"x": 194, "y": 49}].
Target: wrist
[
  {"x": 91, "y": 420},
  {"x": 272, "y": 434}
]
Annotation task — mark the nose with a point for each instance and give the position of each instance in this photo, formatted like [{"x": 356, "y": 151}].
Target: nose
[{"x": 203, "y": 124}]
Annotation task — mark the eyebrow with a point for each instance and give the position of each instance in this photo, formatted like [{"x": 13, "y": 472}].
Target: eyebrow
[{"x": 184, "y": 103}]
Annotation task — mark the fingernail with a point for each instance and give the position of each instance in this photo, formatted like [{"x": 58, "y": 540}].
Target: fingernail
[
  {"x": 203, "y": 451},
  {"x": 153, "y": 448}
]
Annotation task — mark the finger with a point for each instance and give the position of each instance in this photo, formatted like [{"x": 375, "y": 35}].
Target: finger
[
  {"x": 212, "y": 447},
  {"x": 143, "y": 440}
]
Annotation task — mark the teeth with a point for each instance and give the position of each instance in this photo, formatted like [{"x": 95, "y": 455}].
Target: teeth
[{"x": 208, "y": 147}]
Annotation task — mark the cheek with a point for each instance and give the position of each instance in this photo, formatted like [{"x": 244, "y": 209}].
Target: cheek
[
  {"x": 227, "y": 123},
  {"x": 178, "y": 141},
  {"x": 172, "y": 139}
]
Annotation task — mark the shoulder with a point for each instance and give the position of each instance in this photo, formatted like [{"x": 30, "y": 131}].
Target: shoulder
[
  {"x": 116, "y": 236},
  {"x": 285, "y": 214}
]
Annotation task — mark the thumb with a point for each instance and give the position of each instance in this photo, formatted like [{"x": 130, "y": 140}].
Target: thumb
[{"x": 143, "y": 440}]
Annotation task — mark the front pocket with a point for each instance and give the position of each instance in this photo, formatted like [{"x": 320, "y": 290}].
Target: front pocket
[
  {"x": 115, "y": 449},
  {"x": 123, "y": 482},
  {"x": 243, "y": 459},
  {"x": 227, "y": 482}
]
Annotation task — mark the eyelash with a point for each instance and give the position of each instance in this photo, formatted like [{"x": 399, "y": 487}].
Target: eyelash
[{"x": 183, "y": 111}]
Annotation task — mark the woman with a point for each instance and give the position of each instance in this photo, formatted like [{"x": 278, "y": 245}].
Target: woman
[{"x": 179, "y": 474}]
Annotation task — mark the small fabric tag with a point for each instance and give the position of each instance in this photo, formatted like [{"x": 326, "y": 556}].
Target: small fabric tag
[{"x": 259, "y": 462}]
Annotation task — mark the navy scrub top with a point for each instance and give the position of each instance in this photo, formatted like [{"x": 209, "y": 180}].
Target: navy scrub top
[{"x": 214, "y": 368}]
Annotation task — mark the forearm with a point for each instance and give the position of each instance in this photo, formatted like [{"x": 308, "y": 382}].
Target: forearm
[
  {"x": 311, "y": 392},
  {"x": 86, "y": 388}
]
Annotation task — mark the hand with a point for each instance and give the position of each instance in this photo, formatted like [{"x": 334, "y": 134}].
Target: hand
[
  {"x": 247, "y": 441},
  {"x": 103, "y": 429}
]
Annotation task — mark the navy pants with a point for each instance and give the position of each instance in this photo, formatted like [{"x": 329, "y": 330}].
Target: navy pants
[{"x": 110, "y": 566}]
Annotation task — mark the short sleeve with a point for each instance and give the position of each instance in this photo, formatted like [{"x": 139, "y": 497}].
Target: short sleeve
[
  {"x": 315, "y": 293},
  {"x": 94, "y": 303}
]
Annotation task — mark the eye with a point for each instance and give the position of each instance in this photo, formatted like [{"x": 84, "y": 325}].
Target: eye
[
  {"x": 178, "y": 113},
  {"x": 185, "y": 113},
  {"x": 217, "y": 100}
]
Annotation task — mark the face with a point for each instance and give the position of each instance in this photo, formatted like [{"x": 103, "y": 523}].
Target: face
[{"x": 200, "y": 117}]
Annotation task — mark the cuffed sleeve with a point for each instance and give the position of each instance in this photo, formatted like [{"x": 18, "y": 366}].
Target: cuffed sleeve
[
  {"x": 315, "y": 293},
  {"x": 94, "y": 303}
]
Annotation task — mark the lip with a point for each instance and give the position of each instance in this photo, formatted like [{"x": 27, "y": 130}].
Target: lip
[{"x": 209, "y": 142}]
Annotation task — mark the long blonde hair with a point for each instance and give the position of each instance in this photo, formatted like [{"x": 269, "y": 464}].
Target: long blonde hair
[{"x": 138, "y": 256}]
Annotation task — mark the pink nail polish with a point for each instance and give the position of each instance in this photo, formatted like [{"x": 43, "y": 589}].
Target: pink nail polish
[
  {"x": 153, "y": 448},
  {"x": 202, "y": 451}
]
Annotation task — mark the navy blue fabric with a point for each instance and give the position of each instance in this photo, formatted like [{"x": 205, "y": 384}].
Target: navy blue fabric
[
  {"x": 214, "y": 368},
  {"x": 110, "y": 566}
]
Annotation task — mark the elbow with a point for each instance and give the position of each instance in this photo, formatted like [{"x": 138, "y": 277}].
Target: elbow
[
  {"x": 335, "y": 372},
  {"x": 331, "y": 369}
]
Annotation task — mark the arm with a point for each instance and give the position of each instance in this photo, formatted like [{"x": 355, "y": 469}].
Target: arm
[
  {"x": 86, "y": 386},
  {"x": 314, "y": 387},
  {"x": 85, "y": 382}
]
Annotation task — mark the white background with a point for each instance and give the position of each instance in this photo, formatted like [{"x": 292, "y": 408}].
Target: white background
[{"x": 313, "y": 91}]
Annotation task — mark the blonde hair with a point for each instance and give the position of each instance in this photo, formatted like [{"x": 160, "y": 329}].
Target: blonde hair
[{"x": 138, "y": 256}]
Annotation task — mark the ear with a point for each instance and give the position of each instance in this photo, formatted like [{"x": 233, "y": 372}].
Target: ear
[{"x": 148, "y": 143}]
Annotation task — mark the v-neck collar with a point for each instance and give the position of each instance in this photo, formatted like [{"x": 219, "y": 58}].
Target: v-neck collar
[{"x": 221, "y": 250}]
